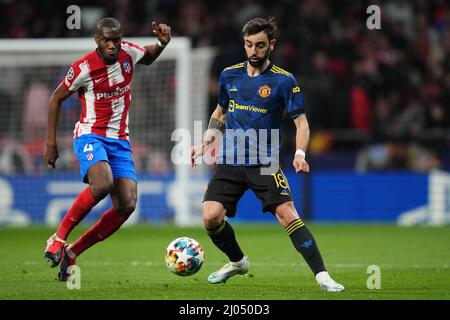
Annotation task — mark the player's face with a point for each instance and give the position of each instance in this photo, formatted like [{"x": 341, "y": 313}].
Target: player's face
[
  {"x": 258, "y": 48},
  {"x": 108, "y": 43}
]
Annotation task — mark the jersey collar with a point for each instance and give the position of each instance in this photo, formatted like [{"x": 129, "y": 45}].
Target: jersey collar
[{"x": 263, "y": 72}]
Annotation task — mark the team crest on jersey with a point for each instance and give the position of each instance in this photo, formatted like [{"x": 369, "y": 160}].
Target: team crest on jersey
[
  {"x": 264, "y": 91},
  {"x": 126, "y": 66}
]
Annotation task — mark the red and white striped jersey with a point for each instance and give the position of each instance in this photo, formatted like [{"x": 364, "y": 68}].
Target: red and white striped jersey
[{"x": 104, "y": 91}]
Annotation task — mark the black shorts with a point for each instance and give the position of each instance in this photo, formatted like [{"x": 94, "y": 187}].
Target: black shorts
[{"x": 229, "y": 184}]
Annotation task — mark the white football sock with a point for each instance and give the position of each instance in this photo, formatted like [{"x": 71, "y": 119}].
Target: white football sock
[
  {"x": 322, "y": 276},
  {"x": 239, "y": 263}
]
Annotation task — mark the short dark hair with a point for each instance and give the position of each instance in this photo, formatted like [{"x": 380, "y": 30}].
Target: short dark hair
[
  {"x": 257, "y": 25},
  {"x": 108, "y": 22}
]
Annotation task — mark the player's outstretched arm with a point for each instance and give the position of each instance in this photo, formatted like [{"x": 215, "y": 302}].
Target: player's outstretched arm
[
  {"x": 54, "y": 108},
  {"x": 216, "y": 129},
  {"x": 163, "y": 34},
  {"x": 301, "y": 140}
]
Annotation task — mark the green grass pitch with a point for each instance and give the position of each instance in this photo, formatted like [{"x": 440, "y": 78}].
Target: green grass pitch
[{"x": 414, "y": 264}]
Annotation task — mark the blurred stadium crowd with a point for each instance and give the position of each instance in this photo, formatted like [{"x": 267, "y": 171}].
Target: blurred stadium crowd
[{"x": 376, "y": 99}]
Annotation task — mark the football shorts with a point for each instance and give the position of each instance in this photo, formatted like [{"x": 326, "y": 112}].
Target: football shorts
[
  {"x": 91, "y": 148},
  {"x": 229, "y": 183}
]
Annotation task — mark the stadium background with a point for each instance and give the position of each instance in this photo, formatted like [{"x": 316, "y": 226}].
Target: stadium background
[
  {"x": 377, "y": 101},
  {"x": 378, "y": 106}
]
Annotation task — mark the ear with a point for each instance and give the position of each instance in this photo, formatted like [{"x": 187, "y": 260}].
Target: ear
[
  {"x": 272, "y": 43},
  {"x": 97, "y": 40}
]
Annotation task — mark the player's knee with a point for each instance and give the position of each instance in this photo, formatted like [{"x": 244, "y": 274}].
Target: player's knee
[
  {"x": 213, "y": 215},
  {"x": 286, "y": 213}
]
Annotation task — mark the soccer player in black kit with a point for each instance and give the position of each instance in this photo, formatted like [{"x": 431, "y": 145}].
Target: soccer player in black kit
[{"x": 252, "y": 98}]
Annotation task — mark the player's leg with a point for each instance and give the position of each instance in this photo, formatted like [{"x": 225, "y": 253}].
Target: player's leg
[
  {"x": 274, "y": 191},
  {"x": 123, "y": 193},
  {"x": 300, "y": 236},
  {"x": 101, "y": 183},
  {"x": 305, "y": 243},
  {"x": 223, "y": 236},
  {"x": 92, "y": 158},
  {"x": 124, "y": 196},
  {"x": 220, "y": 231},
  {"x": 224, "y": 191}
]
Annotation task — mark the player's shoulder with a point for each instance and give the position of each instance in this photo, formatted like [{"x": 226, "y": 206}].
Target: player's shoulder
[
  {"x": 277, "y": 71},
  {"x": 127, "y": 46},
  {"x": 84, "y": 59},
  {"x": 82, "y": 66},
  {"x": 79, "y": 70},
  {"x": 234, "y": 69},
  {"x": 239, "y": 65}
]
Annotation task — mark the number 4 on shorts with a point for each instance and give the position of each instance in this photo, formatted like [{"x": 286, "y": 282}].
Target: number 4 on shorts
[{"x": 88, "y": 147}]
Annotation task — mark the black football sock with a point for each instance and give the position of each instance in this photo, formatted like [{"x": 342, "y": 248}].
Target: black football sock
[
  {"x": 304, "y": 242},
  {"x": 224, "y": 239}
]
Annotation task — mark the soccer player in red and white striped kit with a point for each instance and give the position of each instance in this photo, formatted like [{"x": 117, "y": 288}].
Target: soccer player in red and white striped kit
[{"x": 102, "y": 79}]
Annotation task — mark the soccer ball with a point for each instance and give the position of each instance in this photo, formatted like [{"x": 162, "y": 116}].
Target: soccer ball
[{"x": 184, "y": 256}]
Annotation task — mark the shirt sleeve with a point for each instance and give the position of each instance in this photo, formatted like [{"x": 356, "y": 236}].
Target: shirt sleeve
[
  {"x": 136, "y": 52},
  {"x": 223, "y": 93},
  {"x": 293, "y": 99},
  {"x": 75, "y": 77}
]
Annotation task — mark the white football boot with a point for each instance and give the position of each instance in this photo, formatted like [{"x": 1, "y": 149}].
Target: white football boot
[
  {"x": 230, "y": 269},
  {"x": 327, "y": 283}
]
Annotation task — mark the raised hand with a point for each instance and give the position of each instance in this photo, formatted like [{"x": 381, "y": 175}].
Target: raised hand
[{"x": 162, "y": 32}]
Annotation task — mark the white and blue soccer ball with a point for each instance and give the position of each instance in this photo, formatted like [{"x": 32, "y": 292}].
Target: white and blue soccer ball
[{"x": 184, "y": 256}]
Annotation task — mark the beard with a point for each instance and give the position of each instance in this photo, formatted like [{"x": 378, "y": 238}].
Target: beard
[{"x": 259, "y": 61}]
